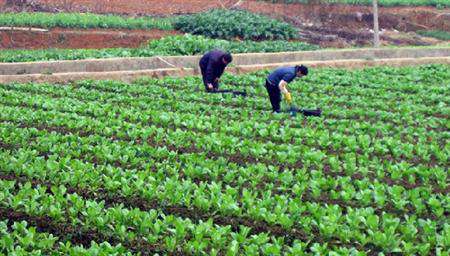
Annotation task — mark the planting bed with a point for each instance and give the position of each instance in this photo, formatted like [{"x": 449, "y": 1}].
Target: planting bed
[
  {"x": 38, "y": 30},
  {"x": 79, "y": 39},
  {"x": 158, "y": 166}
]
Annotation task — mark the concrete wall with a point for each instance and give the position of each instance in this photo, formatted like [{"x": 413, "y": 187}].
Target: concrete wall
[
  {"x": 131, "y": 75},
  {"x": 124, "y": 64},
  {"x": 258, "y": 58},
  {"x": 91, "y": 65}
]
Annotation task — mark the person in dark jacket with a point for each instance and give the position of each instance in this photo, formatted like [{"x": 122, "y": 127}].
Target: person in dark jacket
[
  {"x": 276, "y": 84},
  {"x": 212, "y": 65}
]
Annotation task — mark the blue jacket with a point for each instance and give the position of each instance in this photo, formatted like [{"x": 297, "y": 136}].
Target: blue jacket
[{"x": 284, "y": 73}]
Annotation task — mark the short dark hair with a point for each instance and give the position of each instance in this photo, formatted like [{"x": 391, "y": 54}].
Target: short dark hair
[
  {"x": 302, "y": 69},
  {"x": 227, "y": 57}
]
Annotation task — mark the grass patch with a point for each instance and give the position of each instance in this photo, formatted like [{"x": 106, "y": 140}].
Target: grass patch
[
  {"x": 439, "y": 34},
  {"x": 81, "y": 20}
]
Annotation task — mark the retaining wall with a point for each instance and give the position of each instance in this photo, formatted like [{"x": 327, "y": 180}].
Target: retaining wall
[{"x": 128, "y": 69}]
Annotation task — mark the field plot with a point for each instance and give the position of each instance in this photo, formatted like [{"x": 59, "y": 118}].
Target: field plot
[
  {"x": 158, "y": 166},
  {"x": 125, "y": 23}
]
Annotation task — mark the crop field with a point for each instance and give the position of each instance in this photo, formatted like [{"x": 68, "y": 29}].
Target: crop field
[
  {"x": 160, "y": 167},
  {"x": 171, "y": 45}
]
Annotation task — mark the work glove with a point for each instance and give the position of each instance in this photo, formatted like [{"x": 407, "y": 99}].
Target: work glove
[{"x": 288, "y": 98}]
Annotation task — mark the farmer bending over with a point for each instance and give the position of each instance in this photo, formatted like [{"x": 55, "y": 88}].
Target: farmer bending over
[
  {"x": 277, "y": 81},
  {"x": 212, "y": 65}
]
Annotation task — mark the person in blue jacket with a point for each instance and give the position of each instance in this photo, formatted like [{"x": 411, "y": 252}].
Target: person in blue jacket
[
  {"x": 212, "y": 65},
  {"x": 276, "y": 84}
]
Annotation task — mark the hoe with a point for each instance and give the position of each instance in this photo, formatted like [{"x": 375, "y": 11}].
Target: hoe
[
  {"x": 306, "y": 112},
  {"x": 235, "y": 93}
]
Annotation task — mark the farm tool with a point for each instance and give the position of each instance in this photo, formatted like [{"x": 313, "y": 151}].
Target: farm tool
[
  {"x": 306, "y": 112},
  {"x": 235, "y": 93}
]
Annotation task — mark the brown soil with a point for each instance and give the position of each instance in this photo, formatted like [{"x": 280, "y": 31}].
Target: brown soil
[
  {"x": 358, "y": 17},
  {"x": 347, "y": 25},
  {"x": 76, "y": 38},
  {"x": 154, "y": 7}
]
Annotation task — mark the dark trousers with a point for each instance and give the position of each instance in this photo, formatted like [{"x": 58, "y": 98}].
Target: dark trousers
[
  {"x": 215, "y": 84},
  {"x": 274, "y": 95}
]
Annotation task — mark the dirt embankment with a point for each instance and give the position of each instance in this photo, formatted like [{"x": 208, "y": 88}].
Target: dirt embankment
[{"x": 347, "y": 25}]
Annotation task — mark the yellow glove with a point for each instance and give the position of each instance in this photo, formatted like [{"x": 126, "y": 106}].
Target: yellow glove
[{"x": 288, "y": 98}]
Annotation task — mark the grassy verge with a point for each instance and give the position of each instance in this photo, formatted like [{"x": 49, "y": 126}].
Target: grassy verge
[{"x": 439, "y": 34}]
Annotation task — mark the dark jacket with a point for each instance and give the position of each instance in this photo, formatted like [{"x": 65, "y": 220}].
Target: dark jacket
[
  {"x": 284, "y": 73},
  {"x": 212, "y": 66}
]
